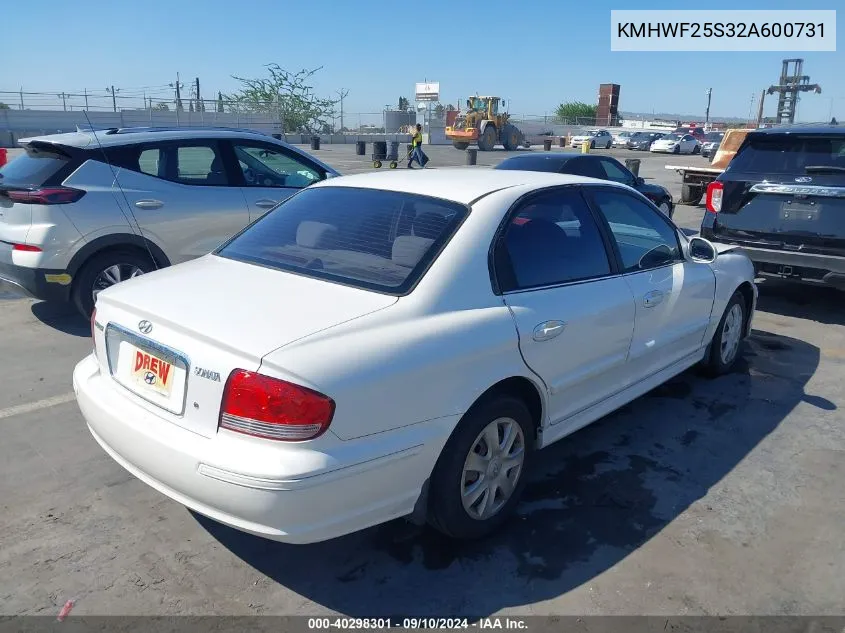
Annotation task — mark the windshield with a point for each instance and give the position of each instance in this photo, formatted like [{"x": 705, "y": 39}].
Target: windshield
[
  {"x": 791, "y": 153},
  {"x": 368, "y": 238},
  {"x": 714, "y": 137},
  {"x": 671, "y": 137}
]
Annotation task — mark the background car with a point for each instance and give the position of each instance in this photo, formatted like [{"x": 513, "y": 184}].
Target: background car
[
  {"x": 676, "y": 144},
  {"x": 67, "y": 232},
  {"x": 696, "y": 132},
  {"x": 782, "y": 199},
  {"x": 642, "y": 140},
  {"x": 596, "y": 139},
  {"x": 710, "y": 143},
  {"x": 601, "y": 167},
  {"x": 620, "y": 139},
  {"x": 400, "y": 345}
]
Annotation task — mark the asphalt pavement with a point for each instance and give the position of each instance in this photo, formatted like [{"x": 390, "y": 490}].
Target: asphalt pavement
[{"x": 703, "y": 497}]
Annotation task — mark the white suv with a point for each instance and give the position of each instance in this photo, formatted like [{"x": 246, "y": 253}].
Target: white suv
[{"x": 82, "y": 211}]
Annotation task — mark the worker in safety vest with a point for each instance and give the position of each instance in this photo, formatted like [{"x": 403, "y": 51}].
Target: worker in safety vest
[{"x": 417, "y": 153}]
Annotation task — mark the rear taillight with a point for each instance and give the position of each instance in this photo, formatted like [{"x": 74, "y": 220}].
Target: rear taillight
[
  {"x": 46, "y": 195},
  {"x": 714, "y": 196},
  {"x": 26, "y": 248},
  {"x": 274, "y": 409}
]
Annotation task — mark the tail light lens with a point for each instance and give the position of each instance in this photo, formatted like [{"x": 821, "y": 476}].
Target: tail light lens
[
  {"x": 274, "y": 409},
  {"x": 46, "y": 195},
  {"x": 714, "y": 196}
]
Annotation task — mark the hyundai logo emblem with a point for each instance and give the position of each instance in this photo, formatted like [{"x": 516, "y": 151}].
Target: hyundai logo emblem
[
  {"x": 803, "y": 179},
  {"x": 150, "y": 378},
  {"x": 145, "y": 326}
]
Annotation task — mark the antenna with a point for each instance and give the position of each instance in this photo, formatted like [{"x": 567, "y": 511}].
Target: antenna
[{"x": 123, "y": 193}]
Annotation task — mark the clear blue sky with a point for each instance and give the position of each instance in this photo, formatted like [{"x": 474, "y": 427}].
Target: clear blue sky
[{"x": 537, "y": 53}]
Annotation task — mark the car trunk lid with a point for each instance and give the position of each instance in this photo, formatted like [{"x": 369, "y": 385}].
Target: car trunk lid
[
  {"x": 785, "y": 191},
  {"x": 172, "y": 342}
]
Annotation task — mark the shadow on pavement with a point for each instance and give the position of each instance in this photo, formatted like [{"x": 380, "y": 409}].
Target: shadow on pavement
[
  {"x": 593, "y": 499},
  {"x": 62, "y": 317},
  {"x": 802, "y": 301}
]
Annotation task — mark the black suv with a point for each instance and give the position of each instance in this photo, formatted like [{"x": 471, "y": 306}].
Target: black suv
[{"x": 782, "y": 199}]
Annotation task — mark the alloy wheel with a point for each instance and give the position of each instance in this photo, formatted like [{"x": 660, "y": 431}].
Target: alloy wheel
[
  {"x": 112, "y": 275},
  {"x": 731, "y": 334}
]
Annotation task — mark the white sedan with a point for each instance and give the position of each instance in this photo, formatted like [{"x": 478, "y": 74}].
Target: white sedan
[
  {"x": 595, "y": 138},
  {"x": 676, "y": 144},
  {"x": 400, "y": 345}
]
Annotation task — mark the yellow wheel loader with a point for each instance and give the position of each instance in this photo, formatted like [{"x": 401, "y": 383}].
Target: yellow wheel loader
[{"x": 482, "y": 124}]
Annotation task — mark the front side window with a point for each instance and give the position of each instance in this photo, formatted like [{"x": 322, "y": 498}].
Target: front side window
[
  {"x": 367, "y": 238},
  {"x": 616, "y": 172},
  {"x": 552, "y": 239},
  {"x": 643, "y": 237},
  {"x": 264, "y": 166}
]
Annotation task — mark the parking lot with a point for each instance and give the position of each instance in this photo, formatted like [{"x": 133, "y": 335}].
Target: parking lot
[{"x": 718, "y": 496}]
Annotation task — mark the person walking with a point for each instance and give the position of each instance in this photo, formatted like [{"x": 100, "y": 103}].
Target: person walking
[{"x": 417, "y": 153}]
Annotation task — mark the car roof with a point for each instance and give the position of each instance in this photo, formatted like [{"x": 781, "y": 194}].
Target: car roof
[
  {"x": 126, "y": 136},
  {"x": 458, "y": 184},
  {"x": 557, "y": 158},
  {"x": 806, "y": 128}
]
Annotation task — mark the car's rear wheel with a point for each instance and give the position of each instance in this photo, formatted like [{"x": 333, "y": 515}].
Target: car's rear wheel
[
  {"x": 103, "y": 271},
  {"x": 479, "y": 477},
  {"x": 725, "y": 347}
]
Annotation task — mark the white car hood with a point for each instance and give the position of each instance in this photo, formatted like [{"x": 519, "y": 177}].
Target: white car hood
[{"x": 243, "y": 307}]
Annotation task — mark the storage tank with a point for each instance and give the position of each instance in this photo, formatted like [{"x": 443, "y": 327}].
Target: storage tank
[{"x": 395, "y": 120}]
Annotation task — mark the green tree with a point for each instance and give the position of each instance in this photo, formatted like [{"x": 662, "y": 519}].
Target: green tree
[
  {"x": 220, "y": 102},
  {"x": 4, "y": 106},
  {"x": 572, "y": 110},
  {"x": 287, "y": 95},
  {"x": 439, "y": 111},
  {"x": 404, "y": 105},
  {"x": 161, "y": 105}
]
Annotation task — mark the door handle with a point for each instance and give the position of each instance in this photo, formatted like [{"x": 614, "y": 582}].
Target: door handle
[
  {"x": 266, "y": 203},
  {"x": 548, "y": 330},
  {"x": 149, "y": 204},
  {"x": 652, "y": 298}
]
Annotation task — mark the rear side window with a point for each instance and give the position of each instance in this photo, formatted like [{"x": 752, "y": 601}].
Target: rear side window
[
  {"x": 34, "y": 167},
  {"x": 532, "y": 163},
  {"x": 368, "y": 238},
  {"x": 790, "y": 153},
  {"x": 190, "y": 164}
]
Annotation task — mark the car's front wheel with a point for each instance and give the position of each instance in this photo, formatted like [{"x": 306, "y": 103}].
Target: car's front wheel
[
  {"x": 103, "y": 271},
  {"x": 725, "y": 347},
  {"x": 480, "y": 474}
]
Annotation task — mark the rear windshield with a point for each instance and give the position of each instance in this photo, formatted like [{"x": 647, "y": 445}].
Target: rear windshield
[
  {"x": 531, "y": 163},
  {"x": 31, "y": 168},
  {"x": 671, "y": 137},
  {"x": 368, "y": 238},
  {"x": 791, "y": 154}
]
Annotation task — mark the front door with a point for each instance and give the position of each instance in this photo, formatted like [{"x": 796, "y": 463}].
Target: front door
[
  {"x": 674, "y": 297},
  {"x": 574, "y": 313},
  {"x": 271, "y": 174}
]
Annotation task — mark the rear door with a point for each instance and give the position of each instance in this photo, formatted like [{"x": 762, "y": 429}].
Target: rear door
[
  {"x": 181, "y": 193},
  {"x": 785, "y": 191},
  {"x": 269, "y": 173}
]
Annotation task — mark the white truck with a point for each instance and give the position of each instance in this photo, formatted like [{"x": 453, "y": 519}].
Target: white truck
[{"x": 695, "y": 178}]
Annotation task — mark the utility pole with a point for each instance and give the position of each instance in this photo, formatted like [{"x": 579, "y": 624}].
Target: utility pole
[
  {"x": 342, "y": 94},
  {"x": 64, "y": 101},
  {"x": 177, "y": 86},
  {"x": 113, "y": 97},
  {"x": 21, "y": 97},
  {"x": 199, "y": 107},
  {"x": 760, "y": 108},
  {"x": 707, "y": 111},
  {"x": 86, "y": 98}
]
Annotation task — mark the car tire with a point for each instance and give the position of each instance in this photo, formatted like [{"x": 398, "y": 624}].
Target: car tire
[
  {"x": 696, "y": 149},
  {"x": 448, "y": 512},
  {"x": 609, "y": 143},
  {"x": 677, "y": 149},
  {"x": 93, "y": 275},
  {"x": 727, "y": 341}
]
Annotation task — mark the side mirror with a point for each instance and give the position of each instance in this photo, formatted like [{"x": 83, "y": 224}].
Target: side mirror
[{"x": 702, "y": 250}]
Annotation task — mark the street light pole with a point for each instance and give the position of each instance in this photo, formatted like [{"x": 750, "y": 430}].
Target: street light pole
[{"x": 707, "y": 112}]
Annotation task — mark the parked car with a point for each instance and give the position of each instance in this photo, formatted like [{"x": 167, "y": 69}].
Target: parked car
[
  {"x": 620, "y": 139},
  {"x": 782, "y": 199},
  {"x": 400, "y": 344},
  {"x": 676, "y": 144},
  {"x": 601, "y": 167},
  {"x": 642, "y": 140},
  {"x": 710, "y": 143},
  {"x": 67, "y": 232},
  {"x": 596, "y": 138}
]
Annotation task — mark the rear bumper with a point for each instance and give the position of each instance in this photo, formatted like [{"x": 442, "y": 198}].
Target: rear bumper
[
  {"x": 38, "y": 283},
  {"x": 805, "y": 267},
  {"x": 289, "y": 492}
]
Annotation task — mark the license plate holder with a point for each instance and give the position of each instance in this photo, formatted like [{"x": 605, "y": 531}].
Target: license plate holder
[{"x": 800, "y": 211}]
